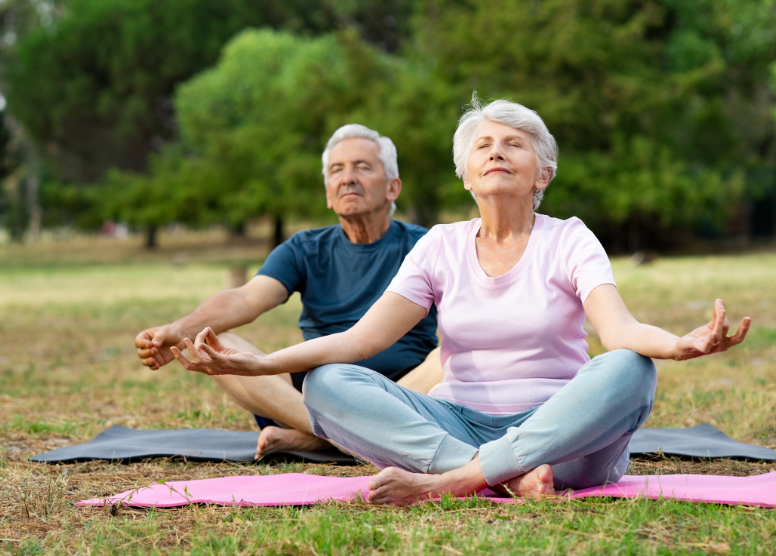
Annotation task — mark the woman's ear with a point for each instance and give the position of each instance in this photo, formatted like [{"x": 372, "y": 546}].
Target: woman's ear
[
  {"x": 467, "y": 185},
  {"x": 543, "y": 179}
]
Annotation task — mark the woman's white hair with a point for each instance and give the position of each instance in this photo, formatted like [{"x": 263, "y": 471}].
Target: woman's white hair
[
  {"x": 514, "y": 115},
  {"x": 387, "y": 153}
]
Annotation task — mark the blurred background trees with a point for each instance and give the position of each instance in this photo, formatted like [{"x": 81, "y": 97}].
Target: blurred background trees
[{"x": 201, "y": 112}]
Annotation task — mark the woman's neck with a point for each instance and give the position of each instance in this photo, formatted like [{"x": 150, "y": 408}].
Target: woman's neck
[{"x": 505, "y": 220}]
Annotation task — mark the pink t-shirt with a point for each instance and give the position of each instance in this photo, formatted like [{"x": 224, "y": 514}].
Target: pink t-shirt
[{"x": 508, "y": 343}]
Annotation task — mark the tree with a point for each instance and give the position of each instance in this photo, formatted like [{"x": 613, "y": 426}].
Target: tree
[
  {"x": 252, "y": 130},
  {"x": 94, "y": 87},
  {"x": 649, "y": 100}
]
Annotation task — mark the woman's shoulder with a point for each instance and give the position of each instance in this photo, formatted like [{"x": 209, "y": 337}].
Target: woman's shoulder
[
  {"x": 455, "y": 229},
  {"x": 454, "y": 234},
  {"x": 570, "y": 228}
]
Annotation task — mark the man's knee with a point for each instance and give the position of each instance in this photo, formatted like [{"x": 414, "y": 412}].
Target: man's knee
[
  {"x": 230, "y": 339},
  {"x": 327, "y": 384}
]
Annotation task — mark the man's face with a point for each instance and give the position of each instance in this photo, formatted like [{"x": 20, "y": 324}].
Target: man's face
[{"x": 355, "y": 179}]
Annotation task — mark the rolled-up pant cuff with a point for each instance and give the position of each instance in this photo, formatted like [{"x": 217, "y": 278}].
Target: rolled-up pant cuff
[{"x": 498, "y": 462}]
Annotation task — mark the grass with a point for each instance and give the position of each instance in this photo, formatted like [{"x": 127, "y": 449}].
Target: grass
[{"x": 68, "y": 371}]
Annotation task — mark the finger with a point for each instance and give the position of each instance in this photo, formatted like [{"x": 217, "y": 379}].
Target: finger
[
  {"x": 196, "y": 356},
  {"x": 212, "y": 340},
  {"x": 149, "y": 362},
  {"x": 213, "y": 354},
  {"x": 741, "y": 333},
  {"x": 199, "y": 341},
  {"x": 143, "y": 340},
  {"x": 146, "y": 353},
  {"x": 720, "y": 318},
  {"x": 187, "y": 364}
]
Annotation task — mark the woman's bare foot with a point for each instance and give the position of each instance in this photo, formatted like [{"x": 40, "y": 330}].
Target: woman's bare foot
[
  {"x": 395, "y": 486},
  {"x": 275, "y": 439},
  {"x": 534, "y": 484}
]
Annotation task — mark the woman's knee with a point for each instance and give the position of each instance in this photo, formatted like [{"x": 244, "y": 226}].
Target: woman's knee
[
  {"x": 633, "y": 371},
  {"x": 326, "y": 384}
]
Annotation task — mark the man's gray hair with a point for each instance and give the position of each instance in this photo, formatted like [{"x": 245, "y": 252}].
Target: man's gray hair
[
  {"x": 514, "y": 115},
  {"x": 387, "y": 153}
]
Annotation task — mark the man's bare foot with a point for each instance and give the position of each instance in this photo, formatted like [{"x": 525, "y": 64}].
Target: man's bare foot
[
  {"x": 534, "y": 484},
  {"x": 275, "y": 439}
]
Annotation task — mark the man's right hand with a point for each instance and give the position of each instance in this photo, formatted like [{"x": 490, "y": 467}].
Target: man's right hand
[{"x": 153, "y": 345}]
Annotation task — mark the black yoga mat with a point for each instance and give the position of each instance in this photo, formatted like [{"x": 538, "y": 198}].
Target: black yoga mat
[
  {"x": 701, "y": 441},
  {"x": 122, "y": 444}
]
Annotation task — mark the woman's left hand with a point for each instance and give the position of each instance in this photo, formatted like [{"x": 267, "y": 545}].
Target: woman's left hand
[
  {"x": 209, "y": 356},
  {"x": 712, "y": 337}
]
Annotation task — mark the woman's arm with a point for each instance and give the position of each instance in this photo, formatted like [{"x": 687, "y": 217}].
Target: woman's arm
[
  {"x": 390, "y": 318},
  {"x": 619, "y": 330}
]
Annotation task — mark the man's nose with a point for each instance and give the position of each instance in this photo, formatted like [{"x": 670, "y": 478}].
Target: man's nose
[{"x": 348, "y": 177}]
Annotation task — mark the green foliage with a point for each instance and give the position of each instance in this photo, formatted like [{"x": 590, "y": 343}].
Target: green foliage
[
  {"x": 110, "y": 68},
  {"x": 663, "y": 109},
  {"x": 658, "y": 106},
  {"x": 252, "y": 130}
]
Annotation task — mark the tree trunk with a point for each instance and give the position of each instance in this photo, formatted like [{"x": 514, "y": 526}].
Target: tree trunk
[
  {"x": 279, "y": 235},
  {"x": 34, "y": 219},
  {"x": 151, "y": 239},
  {"x": 237, "y": 231}
]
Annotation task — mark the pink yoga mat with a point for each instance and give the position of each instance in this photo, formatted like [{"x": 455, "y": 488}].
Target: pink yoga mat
[{"x": 297, "y": 489}]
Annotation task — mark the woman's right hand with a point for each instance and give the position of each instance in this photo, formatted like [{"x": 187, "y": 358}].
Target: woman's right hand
[{"x": 211, "y": 357}]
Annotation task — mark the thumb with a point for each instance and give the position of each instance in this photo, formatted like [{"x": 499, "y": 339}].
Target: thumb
[{"x": 165, "y": 335}]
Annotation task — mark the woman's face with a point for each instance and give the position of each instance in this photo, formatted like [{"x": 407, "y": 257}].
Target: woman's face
[{"x": 503, "y": 162}]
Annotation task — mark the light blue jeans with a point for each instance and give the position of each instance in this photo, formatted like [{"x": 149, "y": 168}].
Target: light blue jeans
[{"x": 583, "y": 431}]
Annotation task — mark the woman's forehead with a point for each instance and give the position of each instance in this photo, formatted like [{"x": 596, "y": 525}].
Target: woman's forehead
[{"x": 491, "y": 129}]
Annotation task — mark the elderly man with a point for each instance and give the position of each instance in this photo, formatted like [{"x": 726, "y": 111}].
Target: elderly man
[{"x": 340, "y": 271}]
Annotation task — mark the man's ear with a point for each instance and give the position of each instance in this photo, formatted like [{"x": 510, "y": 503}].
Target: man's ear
[{"x": 393, "y": 190}]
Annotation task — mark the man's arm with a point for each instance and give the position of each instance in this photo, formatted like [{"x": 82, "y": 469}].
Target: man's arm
[
  {"x": 619, "y": 330},
  {"x": 222, "y": 311}
]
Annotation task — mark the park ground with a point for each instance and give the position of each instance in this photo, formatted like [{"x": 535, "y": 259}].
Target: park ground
[{"x": 69, "y": 312}]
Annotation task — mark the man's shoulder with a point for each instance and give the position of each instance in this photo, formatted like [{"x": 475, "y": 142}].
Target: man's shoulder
[
  {"x": 314, "y": 236},
  {"x": 411, "y": 231}
]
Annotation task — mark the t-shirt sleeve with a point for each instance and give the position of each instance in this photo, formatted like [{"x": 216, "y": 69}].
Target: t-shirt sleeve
[
  {"x": 415, "y": 277},
  {"x": 283, "y": 265},
  {"x": 587, "y": 263}
]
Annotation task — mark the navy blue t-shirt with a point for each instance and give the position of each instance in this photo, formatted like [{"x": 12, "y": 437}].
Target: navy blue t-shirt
[{"x": 340, "y": 280}]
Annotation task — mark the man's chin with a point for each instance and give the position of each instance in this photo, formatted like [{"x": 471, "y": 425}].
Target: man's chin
[{"x": 350, "y": 211}]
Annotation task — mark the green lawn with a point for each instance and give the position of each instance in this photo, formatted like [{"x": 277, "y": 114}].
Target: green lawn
[{"x": 68, "y": 371}]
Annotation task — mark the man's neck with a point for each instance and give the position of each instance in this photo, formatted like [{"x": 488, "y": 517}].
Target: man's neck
[{"x": 365, "y": 228}]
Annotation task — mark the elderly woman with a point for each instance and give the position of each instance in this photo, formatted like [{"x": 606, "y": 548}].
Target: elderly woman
[{"x": 521, "y": 407}]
